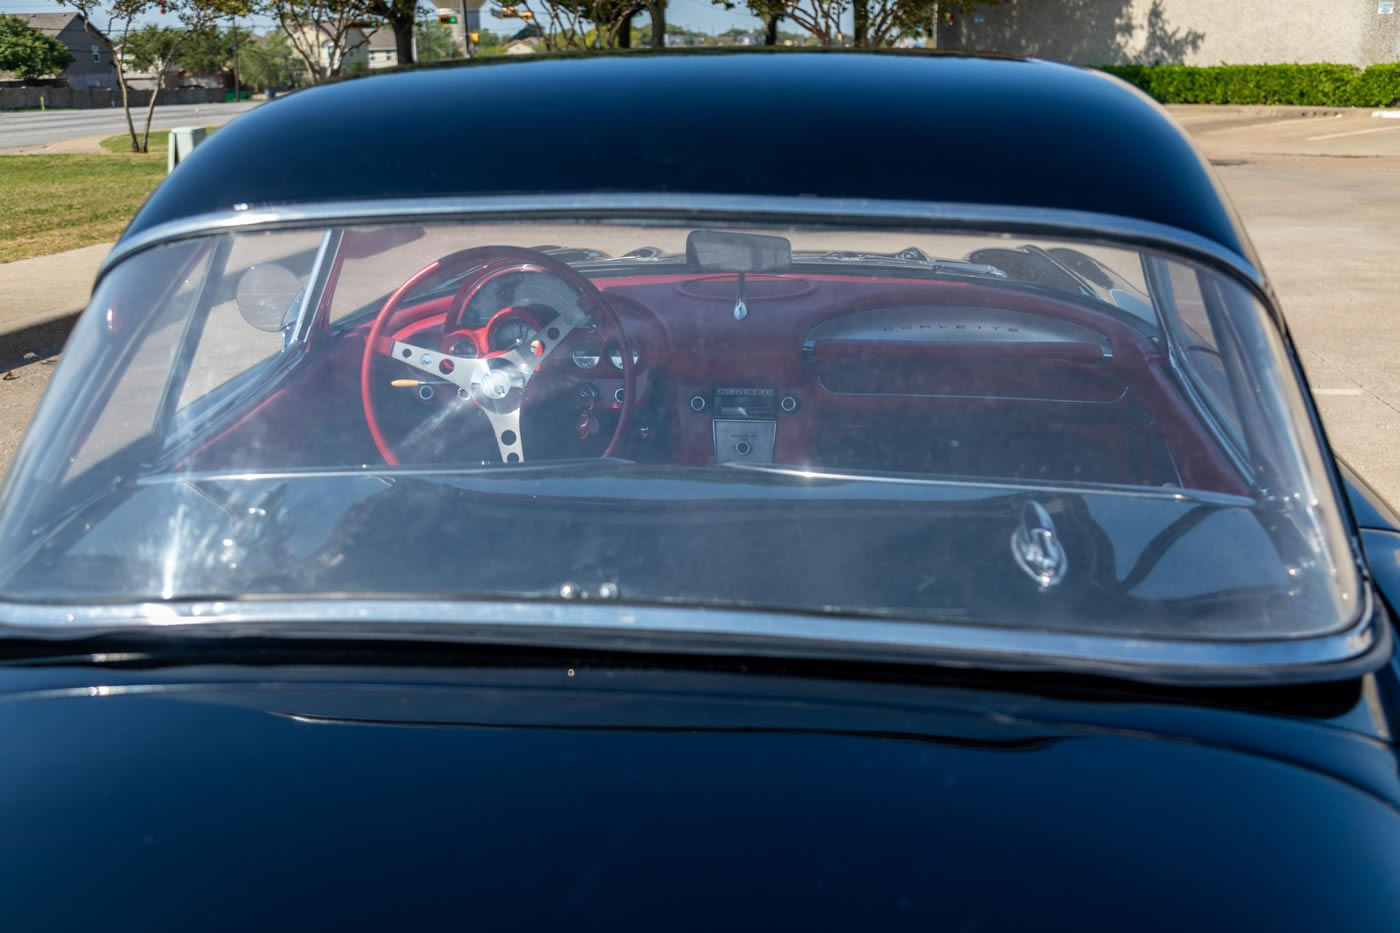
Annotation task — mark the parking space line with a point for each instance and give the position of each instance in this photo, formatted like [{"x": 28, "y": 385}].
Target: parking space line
[
  {"x": 1377, "y": 129},
  {"x": 1350, "y": 391}
]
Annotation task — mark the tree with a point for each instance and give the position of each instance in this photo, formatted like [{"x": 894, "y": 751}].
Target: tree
[
  {"x": 319, "y": 31},
  {"x": 435, "y": 42},
  {"x": 874, "y": 22},
  {"x": 211, "y": 51},
  {"x": 120, "y": 16},
  {"x": 586, "y": 24},
  {"x": 154, "y": 48},
  {"x": 402, "y": 16},
  {"x": 268, "y": 62},
  {"x": 28, "y": 52}
]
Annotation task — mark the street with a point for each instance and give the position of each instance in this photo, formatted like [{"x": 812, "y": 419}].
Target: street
[
  {"x": 39, "y": 128},
  {"x": 1319, "y": 194}
]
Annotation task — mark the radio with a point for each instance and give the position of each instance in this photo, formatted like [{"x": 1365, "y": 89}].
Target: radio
[{"x": 745, "y": 402}]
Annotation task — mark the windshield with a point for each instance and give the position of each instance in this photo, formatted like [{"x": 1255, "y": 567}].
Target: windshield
[{"x": 989, "y": 430}]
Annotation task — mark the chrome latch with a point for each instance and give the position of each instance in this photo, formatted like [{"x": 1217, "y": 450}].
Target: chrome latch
[{"x": 1036, "y": 547}]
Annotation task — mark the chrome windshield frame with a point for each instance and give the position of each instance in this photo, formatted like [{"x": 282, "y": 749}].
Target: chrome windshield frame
[{"x": 679, "y": 207}]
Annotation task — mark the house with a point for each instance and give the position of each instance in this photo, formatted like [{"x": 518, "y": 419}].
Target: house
[
  {"x": 384, "y": 49},
  {"x": 92, "y": 65},
  {"x": 527, "y": 46},
  {"x": 353, "y": 57}
]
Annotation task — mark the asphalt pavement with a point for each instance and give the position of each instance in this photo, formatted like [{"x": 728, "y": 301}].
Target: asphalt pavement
[{"x": 39, "y": 128}]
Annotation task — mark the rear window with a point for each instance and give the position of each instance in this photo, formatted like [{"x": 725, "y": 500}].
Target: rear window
[{"x": 1037, "y": 435}]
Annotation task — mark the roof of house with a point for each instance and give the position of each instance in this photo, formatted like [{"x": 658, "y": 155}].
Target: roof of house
[
  {"x": 46, "y": 22},
  {"x": 382, "y": 40},
  {"x": 50, "y": 24}
]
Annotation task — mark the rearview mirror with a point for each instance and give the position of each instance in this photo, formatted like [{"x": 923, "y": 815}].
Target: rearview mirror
[
  {"x": 266, "y": 294},
  {"x": 717, "y": 251}
]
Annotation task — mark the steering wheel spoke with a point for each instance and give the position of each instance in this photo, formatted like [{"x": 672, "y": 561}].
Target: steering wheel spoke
[
  {"x": 457, "y": 370},
  {"x": 506, "y": 426}
]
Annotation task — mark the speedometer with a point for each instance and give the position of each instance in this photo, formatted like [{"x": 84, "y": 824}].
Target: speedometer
[
  {"x": 542, "y": 293},
  {"x": 512, "y": 333}
]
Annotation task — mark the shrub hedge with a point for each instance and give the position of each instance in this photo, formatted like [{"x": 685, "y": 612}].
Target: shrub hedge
[{"x": 1310, "y": 85}]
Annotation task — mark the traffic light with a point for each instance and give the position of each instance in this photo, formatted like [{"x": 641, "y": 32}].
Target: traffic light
[{"x": 447, "y": 19}]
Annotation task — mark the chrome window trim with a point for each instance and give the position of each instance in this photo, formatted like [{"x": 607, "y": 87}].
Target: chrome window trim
[
  {"x": 314, "y": 290},
  {"x": 679, "y": 206},
  {"x": 736, "y": 632}
]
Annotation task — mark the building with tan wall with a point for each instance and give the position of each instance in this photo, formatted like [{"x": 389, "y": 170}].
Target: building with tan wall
[{"x": 1191, "y": 32}]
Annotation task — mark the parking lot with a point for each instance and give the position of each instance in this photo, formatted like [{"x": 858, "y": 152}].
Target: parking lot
[{"x": 1320, "y": 194}]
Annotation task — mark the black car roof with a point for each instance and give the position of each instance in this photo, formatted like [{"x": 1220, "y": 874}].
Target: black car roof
[{"x": 911, "y": 127}]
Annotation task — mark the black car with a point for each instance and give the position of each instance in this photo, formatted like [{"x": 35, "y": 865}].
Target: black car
[{"x": 785, "y": 491}]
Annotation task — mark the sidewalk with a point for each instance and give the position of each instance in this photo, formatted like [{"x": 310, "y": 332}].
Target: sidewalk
[{"x": 46, "y": 288}]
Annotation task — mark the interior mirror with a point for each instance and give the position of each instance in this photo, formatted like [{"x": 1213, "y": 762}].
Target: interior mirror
[
  {"x": 267, "y": 295},
  {"x": 717, "y": 251}
]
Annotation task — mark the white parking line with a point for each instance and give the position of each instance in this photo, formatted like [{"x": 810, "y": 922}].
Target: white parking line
[
  {"x": 1350, "y": 391},
  {"x": 1378, "y": 129}
]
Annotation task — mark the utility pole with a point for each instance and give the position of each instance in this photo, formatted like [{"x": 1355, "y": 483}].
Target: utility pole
[{"x": 234, "y": 17}]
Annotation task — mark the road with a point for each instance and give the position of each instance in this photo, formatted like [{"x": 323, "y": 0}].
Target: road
[{"x": 39, "y": 128}]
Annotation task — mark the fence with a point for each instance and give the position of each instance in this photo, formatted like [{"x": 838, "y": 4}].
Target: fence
[{"x": 18, "y": 98}]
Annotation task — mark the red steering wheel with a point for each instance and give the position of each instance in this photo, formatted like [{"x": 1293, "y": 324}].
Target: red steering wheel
[{"x": 497, "y": 381}]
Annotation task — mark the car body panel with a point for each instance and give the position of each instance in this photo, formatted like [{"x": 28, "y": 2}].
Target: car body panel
[
  {"x": 603, "y": 798},
  {"x": 775, "y": 124}
]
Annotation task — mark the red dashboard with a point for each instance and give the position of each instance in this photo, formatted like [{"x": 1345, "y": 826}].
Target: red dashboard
[{"x": 832, "y": 371}]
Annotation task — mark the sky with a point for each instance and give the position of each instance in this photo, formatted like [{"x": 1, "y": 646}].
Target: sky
[{"x": 699, "y": 15}]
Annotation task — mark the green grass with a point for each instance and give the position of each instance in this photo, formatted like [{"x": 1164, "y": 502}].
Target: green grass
[
  {"x": 52, "y": 203},
  {"x": 159, "y": 141}
]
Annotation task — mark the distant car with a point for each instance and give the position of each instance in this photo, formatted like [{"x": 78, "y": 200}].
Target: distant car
[{"x": 788, "y": 491}]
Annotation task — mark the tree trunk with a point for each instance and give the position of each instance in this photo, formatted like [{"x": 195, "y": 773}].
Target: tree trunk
[
  {"x": 860, "y": 13},
  {"x": 657, "y": 10},
  {"x": 624, "y": 32},
  {"x": 106, "y": 43},
  {"x": 151, "y": 107},
  {"x": 770, "y": 30},
  {"x": 403, "y": 39}
]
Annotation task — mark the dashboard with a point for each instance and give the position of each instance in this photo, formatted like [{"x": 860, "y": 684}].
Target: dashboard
[{"x": 855, "y": 371}]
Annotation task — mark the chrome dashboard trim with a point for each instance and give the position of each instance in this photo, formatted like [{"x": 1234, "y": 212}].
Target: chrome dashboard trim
[
  {"x": 683, "y": 207},
  {"x": 709, "y": 631}
]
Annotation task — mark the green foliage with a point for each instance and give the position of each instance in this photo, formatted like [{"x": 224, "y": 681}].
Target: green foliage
[
  {"x": 150, "y": 47},
  {"x": 28, "y": 52},
  {"x": 1320, "y": 85},
  {"x": 435, "y": 42},
  {"x": 268, "y": 62}
]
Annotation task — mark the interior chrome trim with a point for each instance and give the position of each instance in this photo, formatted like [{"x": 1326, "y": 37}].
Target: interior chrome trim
[
  {"x": 683, "y": 207},
  {"x": 708, "y": 630},
  {"x": 315, "y": 286}
]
